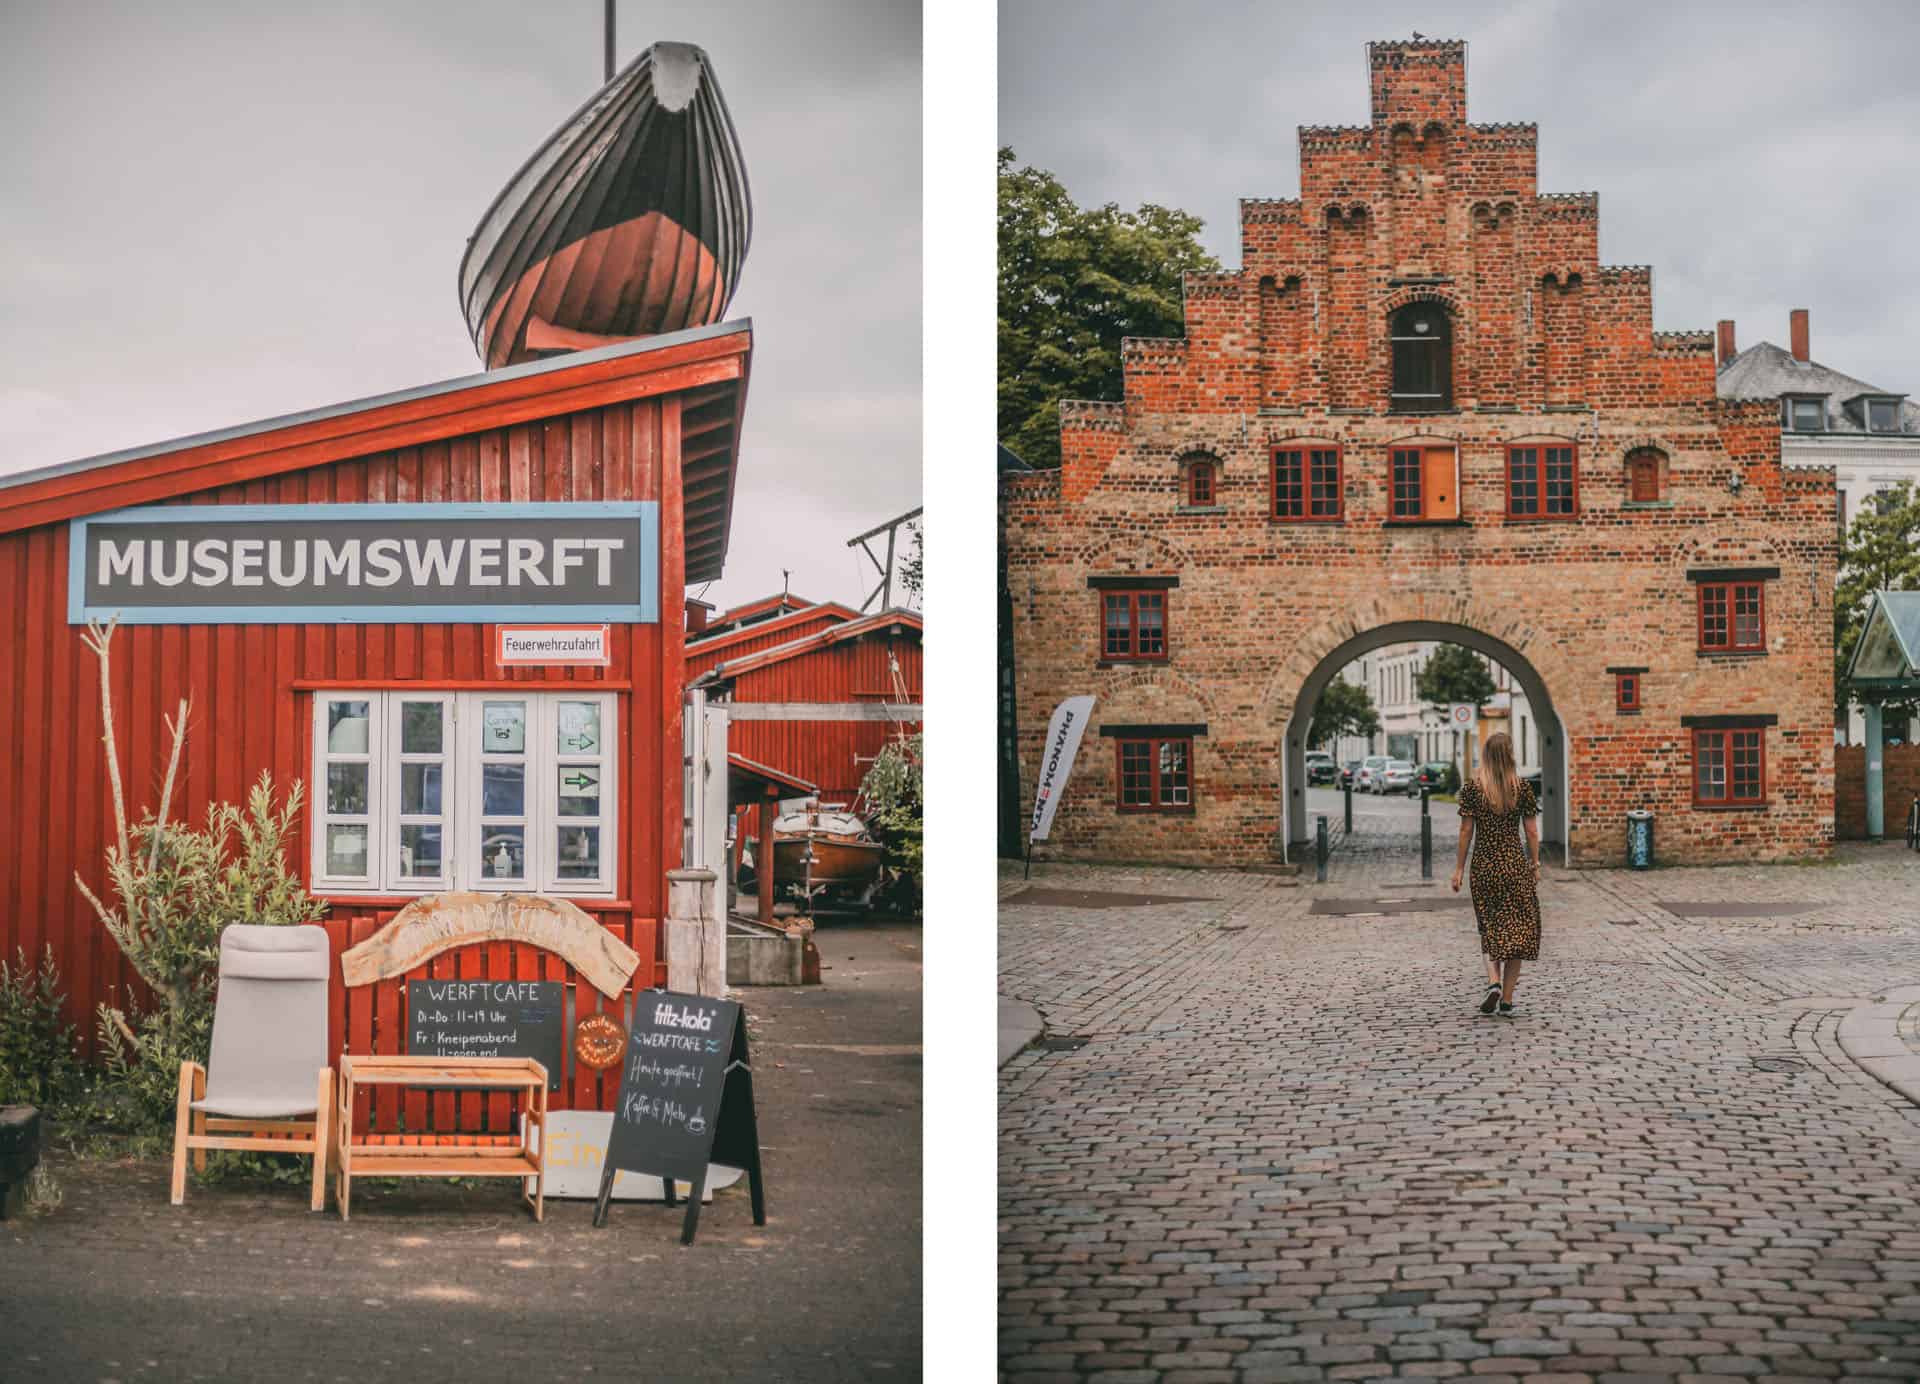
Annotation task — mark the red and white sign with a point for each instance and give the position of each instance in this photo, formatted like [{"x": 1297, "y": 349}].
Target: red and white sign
[{"x": 549, "y": 646}]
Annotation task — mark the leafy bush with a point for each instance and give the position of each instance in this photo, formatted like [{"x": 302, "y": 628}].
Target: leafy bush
[
  {"x": 177, "y": 888},
  {"x": 37, "y": 1062},
  {"x": 891, "y": 796}
]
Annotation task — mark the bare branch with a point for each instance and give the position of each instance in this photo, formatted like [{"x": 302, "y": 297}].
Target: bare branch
[
  {"x": 99, "y": 638},
  {"x": 177, "y": 727}
]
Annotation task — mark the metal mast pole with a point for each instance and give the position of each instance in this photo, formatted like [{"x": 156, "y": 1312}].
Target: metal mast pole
[{"x": 609, "y": 30}]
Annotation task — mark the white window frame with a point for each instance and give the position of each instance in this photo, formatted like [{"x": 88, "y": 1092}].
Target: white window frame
[{"x": 461, "y": 798}]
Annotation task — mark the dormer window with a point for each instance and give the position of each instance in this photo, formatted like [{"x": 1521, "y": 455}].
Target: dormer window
[
  {"x": 1883, "y": 415},
  {"x": 1805, "y": 413},
  {"x": 1422, "y": 358}
]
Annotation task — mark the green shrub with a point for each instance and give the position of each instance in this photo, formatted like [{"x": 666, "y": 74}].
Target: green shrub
[
  {"x": 891, "y": 797},
  {"x": 37, "y": 1062}
]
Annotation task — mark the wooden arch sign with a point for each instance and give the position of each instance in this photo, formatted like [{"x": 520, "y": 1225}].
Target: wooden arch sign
[{"x": 428, "y": 926}]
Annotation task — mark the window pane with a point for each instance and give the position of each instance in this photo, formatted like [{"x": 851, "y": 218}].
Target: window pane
[
  {"x": 1559, "y": 480},
  {"x": 1713, "y": 617},
  {"x": 347, "y": 789},
  {"x": 579, "y": 852},
  {"x": 1523, "y": 480},
  {"x": 579, "y": 728},
  {"x": 1883, "y": 415},
  {"x": 503, "y": 853},
  {"x": 1326, "y": 485},
  {"x": 420, "y": 790},
  {"x": 503, "y": 790},
  {"x": 347, "y": 727},
  {"x": 1710, "y": 767},
  {"x": 1289, "y": 488},
  {"x": 1136, "y": 773},
  {"x": 1119, "y": 626},
  {"x": 1809, "y": 415},
  {"x": 1152, "y": 631},
  {"x": 1746, "y": 764},
  {"x": 347, "y": 851},
  {"x": 420, "y": 727},
  {"x": 579, "y": 790},
  {"x": 1746, "y": 616},
  {"x": 503, "y": 728},
  {"x": 419, "y": 851},
  {"x": 1202, "y": 478},
  {"x": 1406, "y": 484},
  {"x": 1175, "y": 790}
]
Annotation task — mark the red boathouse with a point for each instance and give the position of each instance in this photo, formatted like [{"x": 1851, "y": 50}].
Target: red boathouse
[{"x": 353, "y": 597}]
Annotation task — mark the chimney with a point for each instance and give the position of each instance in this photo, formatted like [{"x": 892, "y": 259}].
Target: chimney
[
  {"x": 1727, "y": 351},
  {"x": 1799, "y": 329}
]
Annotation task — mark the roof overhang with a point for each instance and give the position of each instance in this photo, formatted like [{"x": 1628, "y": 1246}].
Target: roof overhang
[
  {"x": 749, "y": 780},
  {"x": 1887, "y": 656},
  {"x": 707, "y": 367},
  {"x": 889, "y": 622}
]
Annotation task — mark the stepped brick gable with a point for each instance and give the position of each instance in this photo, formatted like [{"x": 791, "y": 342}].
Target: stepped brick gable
[{"x": 1425, "y": 409}]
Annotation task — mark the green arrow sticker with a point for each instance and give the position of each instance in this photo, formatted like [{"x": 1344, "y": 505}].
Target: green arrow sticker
[
  {"x": 578, "y": 742},
  {"x": 581, "y": 780}
]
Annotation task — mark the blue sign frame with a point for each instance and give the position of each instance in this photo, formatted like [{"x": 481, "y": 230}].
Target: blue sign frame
[{"x": 645, "y": 512}]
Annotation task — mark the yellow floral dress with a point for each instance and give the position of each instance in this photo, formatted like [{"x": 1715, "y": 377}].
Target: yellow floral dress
[{"x": 1501, "y": 878}]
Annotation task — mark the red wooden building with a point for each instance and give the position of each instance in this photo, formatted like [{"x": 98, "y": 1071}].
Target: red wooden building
[{"x": 334, "y": 590}]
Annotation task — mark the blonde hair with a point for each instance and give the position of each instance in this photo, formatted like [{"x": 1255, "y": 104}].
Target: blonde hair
[{"x": 1499, "y": 779}]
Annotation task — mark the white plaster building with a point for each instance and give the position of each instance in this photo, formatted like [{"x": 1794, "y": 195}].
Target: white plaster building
[{"x": 1412, "y": 730}]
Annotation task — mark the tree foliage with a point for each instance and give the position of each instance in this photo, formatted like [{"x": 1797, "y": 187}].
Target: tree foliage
[
  {"x": 1074, "y": 281},
  {"x": 1454, "y": 674},
  {"x": 891, "y": 802},
  {"x": 1879, "y": 552},
  {"x": 1344, "y": 708},
  {"x": 38, "y": 1066}
]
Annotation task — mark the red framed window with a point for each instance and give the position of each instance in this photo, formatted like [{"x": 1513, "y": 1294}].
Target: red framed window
[
  {"x": 1156, "y": 775},
  {"x": 1729, "y": 766},
  {"x": 1626, "y": 691},
  {"x": 1643, "y": 477},
  {"x": 1543, "y": 482},
  {"x": 1733, "y": 616},
  {"x": 1307, "y": 483},
  {"x": 1406, "y": 482},
  {"x": 1133, "y": 625},
  {"x": 1200, "y": 483}
]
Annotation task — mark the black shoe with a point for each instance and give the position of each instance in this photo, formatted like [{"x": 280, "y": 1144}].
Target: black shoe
[
  {"x": 1492, "y": 1000},
  {"x": 1506, "y": 1009}
]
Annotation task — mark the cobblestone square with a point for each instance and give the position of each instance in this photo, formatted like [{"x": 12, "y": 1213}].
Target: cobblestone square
[{"x": 1290, "y": 1149}]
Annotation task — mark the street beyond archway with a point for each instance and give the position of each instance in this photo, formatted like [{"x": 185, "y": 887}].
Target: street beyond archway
[{"x": 1279, "y": 1145}]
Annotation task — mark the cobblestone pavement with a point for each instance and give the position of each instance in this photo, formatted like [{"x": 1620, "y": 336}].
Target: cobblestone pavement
[
  {"x": 1290, "y": 1150},
  {"x": 432, "y": 1280}
]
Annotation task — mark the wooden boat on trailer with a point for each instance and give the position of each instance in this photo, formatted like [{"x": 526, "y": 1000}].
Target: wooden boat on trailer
[
  {"x": 632, "y": 219},
  {"x": 825, "y": 847}
]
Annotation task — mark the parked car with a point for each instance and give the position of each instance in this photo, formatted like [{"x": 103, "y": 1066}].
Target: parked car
[
  {"x": 1371, "y": 765},
  {"x": 1436, "y": 776},
  {"x": 1322, "y": 769},
  {"x": 1395, "y": 776},
  {"x": 1348, "y": 771}
]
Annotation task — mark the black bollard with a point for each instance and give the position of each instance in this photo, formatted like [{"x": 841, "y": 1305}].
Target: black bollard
[
  {"x": 1426, "y": 838},
  {"x": 1320, "y": 850},
  {"x": 1347, "y": 788}
]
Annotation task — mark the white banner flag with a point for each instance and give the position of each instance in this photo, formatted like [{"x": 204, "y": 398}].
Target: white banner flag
[{"x": 1069, "y": 723}]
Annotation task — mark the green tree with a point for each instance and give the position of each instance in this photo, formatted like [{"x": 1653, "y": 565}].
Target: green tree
[
  {"x": 1880, "y": 551},
  {"x": 1454, "y": 674},
  {"x": 1074, "y": 281},
  {"x": 1344, "y": 708}
]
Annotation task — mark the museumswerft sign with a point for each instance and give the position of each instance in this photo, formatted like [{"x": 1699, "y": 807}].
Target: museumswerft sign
[{"x": 366, "y": 564}]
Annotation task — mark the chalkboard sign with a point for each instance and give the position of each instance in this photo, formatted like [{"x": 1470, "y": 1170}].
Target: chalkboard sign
[
  {"x": 488, "y": 1018},
  {"x": 686, "y": 1100}
]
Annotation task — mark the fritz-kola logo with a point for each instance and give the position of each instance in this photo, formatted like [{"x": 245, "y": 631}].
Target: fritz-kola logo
[{"x": 667, "y": 1016}]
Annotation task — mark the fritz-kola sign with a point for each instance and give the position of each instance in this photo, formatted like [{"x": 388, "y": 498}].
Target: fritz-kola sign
[{"x": 366, "y": 564}]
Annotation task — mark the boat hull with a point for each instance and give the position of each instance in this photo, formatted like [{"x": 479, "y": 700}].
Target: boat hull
[
  {"x": 853, "y": 864},
  {"x": 633, "y": 219}
]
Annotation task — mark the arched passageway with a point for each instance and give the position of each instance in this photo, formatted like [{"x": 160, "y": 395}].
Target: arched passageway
[{"x": 1553, "y": 747}]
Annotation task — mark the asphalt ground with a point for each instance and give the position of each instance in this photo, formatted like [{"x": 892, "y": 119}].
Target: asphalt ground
[
  {"x": 1265, "y": 1144},
  {"x": 433, "y": 1279}
]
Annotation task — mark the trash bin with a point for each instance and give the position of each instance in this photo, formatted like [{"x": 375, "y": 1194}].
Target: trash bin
[{"x": 1640, "y": 840}]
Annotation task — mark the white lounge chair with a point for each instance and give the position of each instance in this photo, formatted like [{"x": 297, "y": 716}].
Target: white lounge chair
[{"x": 267, "y": 1077}]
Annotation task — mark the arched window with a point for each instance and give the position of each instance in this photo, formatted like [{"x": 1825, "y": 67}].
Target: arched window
[{"x": 1422, "y": 358}]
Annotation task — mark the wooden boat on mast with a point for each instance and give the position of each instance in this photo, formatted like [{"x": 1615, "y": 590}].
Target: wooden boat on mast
[{"x": 631, "y": 220}]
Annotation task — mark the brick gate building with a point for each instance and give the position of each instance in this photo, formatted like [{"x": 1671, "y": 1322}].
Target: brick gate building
[{"x": 1422, "y": 409}]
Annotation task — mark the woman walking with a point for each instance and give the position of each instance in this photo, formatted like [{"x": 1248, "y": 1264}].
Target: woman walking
[{"x": 1494, "y": 806}]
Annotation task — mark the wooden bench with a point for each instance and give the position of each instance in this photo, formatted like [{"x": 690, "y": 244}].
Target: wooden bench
[{"x": 430, "y": 1155}]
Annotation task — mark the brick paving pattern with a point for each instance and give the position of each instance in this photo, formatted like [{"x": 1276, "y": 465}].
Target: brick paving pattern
[{"x": 1289, "y": 1150}]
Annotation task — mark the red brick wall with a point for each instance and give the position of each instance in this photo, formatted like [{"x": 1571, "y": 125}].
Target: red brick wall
[
  {"x": 1900, "y": 785},
  {"x": 1547, "y": 344}
]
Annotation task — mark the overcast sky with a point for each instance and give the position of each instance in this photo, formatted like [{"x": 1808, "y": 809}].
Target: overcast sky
[
  {"x": 212, "y": 213},
  {"x": 1758, "y": 156}
]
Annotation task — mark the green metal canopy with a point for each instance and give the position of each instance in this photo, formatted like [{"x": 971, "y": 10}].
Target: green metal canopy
[{"x": 1887, "y": 658}]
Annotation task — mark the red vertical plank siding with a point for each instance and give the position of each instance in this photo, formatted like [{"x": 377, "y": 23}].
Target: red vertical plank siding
[
  {"x": 389, "y": 1039},
  {"x": 670, "y": 632}
]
